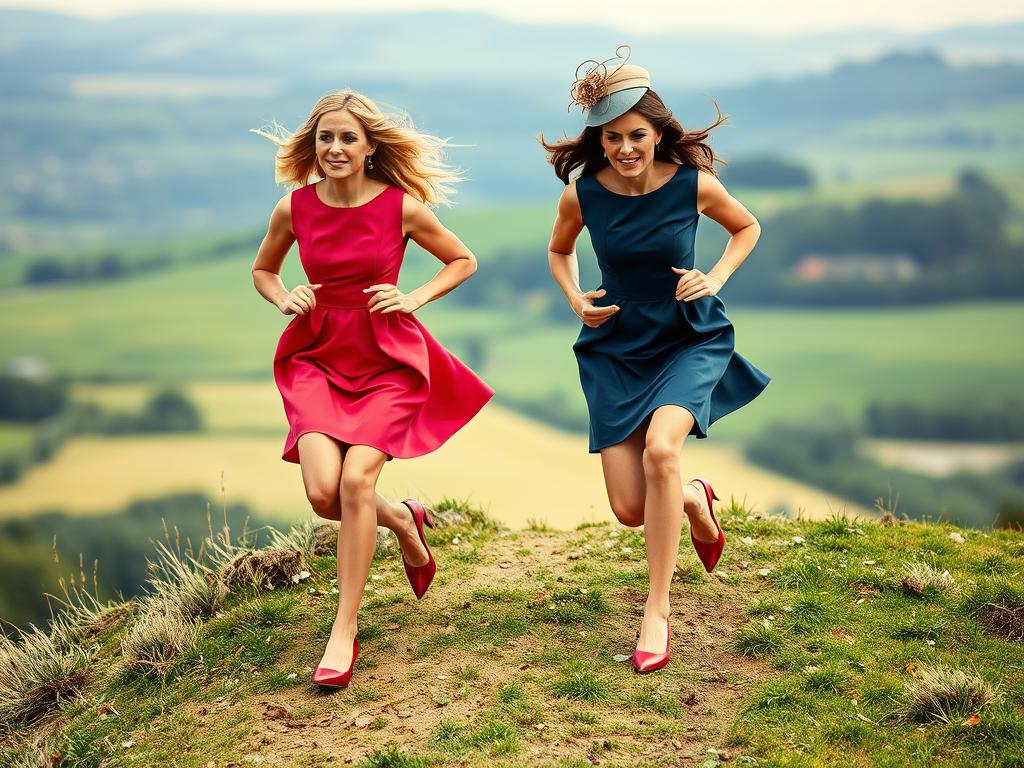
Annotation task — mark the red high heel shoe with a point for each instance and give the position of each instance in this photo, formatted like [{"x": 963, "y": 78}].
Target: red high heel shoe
[
  {"x": 332, "y": 678},
  {"x": 420, "y": 576},
  {"x": 709, "y": 551},
  {"x": 645, "y": 661}
]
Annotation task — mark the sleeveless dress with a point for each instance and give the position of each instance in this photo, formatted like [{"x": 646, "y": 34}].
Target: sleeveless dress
[
  {"x": 362, "y": 377},
  {"x": 655, "y": 350}
]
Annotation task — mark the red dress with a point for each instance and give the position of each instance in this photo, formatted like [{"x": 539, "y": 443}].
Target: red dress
[{"x": 362, "y": 377}]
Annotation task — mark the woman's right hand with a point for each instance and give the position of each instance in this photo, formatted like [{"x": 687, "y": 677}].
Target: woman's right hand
[
  {"x": 585, "y": 310},
  {"x": 300, "y": 300}
]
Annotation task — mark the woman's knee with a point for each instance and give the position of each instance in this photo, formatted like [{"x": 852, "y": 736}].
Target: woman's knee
[
  {"x": 661, "y": 459},
  {"x": 629, "y": 513},
  {"x": 357, "y": 482},
  {"x": 324, "y": 499}
]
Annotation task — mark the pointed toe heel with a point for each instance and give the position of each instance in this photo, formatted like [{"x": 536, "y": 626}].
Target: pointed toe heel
[
  {"x": 645, "y": 661},
  {"x": 420, "y": 576},
  {"x": 709, "y": 551},
  {"x": 326, "y": 677}
]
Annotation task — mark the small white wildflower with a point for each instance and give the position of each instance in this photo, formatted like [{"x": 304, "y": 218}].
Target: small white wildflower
[
  {"x": 293, "y": 675},
  {"x": 798, "y": 539},
  {"x": 626, "y": 550},
  {"x": 958, "y": 538}
]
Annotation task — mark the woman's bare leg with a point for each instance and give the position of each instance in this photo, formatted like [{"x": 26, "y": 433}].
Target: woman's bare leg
[
  {"x": 321, "y": 457},
  {"x": 357, "y": 539},
  {"x": 624, "y": 480},
  {"x": 663, "y": 517}
]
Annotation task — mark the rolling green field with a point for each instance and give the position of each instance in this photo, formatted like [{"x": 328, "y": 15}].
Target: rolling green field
[
  {"x": 14, "y": 438},
  {"x": 207, "y": 322}
]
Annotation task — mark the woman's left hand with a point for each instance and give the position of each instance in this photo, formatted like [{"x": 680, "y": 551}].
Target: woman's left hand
[
  {"x": 693, "y": 284},
  {"x": 389, "y": 299}
]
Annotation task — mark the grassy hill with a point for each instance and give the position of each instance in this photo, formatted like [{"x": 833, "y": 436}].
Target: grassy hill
[{"x": 840, "y": 642}]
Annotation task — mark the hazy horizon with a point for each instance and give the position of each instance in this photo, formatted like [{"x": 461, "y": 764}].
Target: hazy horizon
[{"x": 782, "y": 18}]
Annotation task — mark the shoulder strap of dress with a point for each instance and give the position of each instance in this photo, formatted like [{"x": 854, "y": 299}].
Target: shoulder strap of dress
[
  {"x": 584, "y": 189},
  {"x": 303, "y": 200},
  {"x": 687, "y": 179}
]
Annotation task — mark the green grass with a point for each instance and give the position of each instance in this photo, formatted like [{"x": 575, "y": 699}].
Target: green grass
[
  {"x": 523, "y": 673},
  {"x": 842, "y": 632},
  {"x": 580, "y": 682}
]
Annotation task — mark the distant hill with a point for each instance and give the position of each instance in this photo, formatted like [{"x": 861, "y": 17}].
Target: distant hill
[
  {"x": 436, "y": 46},
  {"x": 138, "y": 125}
]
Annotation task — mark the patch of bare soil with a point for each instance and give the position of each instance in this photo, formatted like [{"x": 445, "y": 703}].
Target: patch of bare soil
[{"x": 400, "y": 698}]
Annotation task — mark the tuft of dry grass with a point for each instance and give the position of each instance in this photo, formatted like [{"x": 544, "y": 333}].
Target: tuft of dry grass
[
  {"x": 267, "y": 568},
  {"x": 945, "y": 695},
  {"x": 1004, "y": 617},
  {"x": 38, "y": 673},
  {"x": 998, "y": 605},
  {"x": 196, "y": 589},
  {"x": 311, "y": 538},
  {"x": 159, "y": 634},
  {"x": 921, "y": 579},
  {"x": 43, "y": 752},
  {"x": 82, "y": 614}
]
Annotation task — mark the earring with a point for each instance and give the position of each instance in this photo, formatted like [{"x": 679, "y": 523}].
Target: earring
[
  {"x": 369, "y": 162},
  {"x": 656, "y": 147},
  {"x": 604, "y": 154}
]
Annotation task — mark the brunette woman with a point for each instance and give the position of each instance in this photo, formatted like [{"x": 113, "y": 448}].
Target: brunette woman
[{"x": 655, "y": 350}]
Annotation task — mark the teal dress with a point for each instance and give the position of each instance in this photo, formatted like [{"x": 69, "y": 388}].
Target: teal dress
[{"x": 655, "y": 350}]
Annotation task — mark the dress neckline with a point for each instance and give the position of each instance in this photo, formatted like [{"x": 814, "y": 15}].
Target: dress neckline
[
  {"x": 644, "y": 194},
  {"x": 316, "y": 194}
]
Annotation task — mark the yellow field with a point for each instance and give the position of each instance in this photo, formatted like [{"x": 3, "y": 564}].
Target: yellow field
[
  {"x": 516, "y": 468},
  {"x": 226, "y": 406}
]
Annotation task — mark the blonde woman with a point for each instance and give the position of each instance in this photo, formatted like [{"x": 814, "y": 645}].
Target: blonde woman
[{"x": 361, "y": 379}]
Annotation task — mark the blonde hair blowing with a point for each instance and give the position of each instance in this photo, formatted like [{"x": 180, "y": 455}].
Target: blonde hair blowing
[{"x": 404, "y": 158}]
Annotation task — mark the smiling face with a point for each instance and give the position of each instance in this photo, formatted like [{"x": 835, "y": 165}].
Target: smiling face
[
  {"x": 629, "y": 142},
  {"x": 341, "y": 144}
]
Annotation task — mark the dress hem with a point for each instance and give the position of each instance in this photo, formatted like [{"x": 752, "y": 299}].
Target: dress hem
[
  {"x": 291, "y": 451},
  {"x": 701, "y": 432}
]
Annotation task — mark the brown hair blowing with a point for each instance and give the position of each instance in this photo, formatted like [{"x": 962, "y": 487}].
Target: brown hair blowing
[
  {"x": 404, "y": 158},
  {"x": 677, "y": 145}
]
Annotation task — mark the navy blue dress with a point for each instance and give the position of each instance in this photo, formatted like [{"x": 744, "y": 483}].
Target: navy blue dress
[{"x": 655, "y": 350}]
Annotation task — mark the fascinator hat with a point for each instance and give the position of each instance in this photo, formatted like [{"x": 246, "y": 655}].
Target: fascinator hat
[{"x": 609, "y": 88}]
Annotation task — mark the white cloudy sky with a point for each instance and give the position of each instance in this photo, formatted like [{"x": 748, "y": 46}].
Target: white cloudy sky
[{"x": 776, "y": 17}]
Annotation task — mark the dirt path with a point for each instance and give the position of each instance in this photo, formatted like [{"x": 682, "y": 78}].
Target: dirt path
[{"x": 401, "y": 696}]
